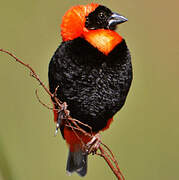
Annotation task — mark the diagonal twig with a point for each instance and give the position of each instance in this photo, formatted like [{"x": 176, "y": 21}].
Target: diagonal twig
[{"x": 40, "y": 101}]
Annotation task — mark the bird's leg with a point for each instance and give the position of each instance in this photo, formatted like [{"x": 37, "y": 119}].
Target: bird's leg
[
  {"x": 61, "y": 116},
  {"x": 59, "y": 121},
  {"x": 93, "y": 145}
]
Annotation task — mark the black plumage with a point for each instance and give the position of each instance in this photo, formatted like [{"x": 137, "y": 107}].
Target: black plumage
[{"x": 94, "y": 85}]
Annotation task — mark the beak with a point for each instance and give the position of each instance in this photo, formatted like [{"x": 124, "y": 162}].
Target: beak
[{"x": 115, "y": 19}]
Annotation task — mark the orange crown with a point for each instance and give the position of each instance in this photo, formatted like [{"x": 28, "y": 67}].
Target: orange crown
[{"x": 73, "y": 22}]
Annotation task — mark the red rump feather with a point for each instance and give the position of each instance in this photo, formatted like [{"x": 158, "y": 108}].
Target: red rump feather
[
  {"x": 108, "y": 124},
  {"x": 76, "y": 139},
  {"x": 55, "y": 112}
]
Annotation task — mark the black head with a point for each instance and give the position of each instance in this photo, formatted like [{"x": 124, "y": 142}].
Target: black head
[{"x": 103, "y": 18}]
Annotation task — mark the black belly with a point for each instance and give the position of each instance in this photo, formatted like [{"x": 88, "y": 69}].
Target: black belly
[{"x": 94, "y": 86}]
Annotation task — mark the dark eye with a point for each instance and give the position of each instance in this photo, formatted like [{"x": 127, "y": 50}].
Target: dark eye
[{"x": 101, "y": 15}]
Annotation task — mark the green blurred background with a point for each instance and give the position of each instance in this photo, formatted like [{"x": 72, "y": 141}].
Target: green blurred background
[{"x": 144, "y": 136}]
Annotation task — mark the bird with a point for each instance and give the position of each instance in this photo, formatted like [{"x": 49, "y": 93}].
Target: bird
[{"x": 93, "y": 70}]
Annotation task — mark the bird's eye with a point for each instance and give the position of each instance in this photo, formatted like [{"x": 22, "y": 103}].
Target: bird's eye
[{"x": 101, "y": 15}]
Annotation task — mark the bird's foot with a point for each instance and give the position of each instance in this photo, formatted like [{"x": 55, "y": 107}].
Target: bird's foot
[{"x": 93, "y": 145}]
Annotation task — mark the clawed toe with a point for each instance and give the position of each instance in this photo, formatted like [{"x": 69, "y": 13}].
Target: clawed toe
[{"x": 93, "y": 145}]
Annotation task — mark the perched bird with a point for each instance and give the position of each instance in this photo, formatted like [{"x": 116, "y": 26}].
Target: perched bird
[{"x": 92, "y": 67}]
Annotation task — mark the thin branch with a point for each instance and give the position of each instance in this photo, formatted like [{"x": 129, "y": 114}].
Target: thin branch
[
  {"x": 73, "y": 129},
  {"x": 45, "y": 105},
  {"x": 30, "y": 68},
  {"x": 114, "y": 160},
  {"x": 79, "y": 122},
  {"x": 115, "y": 170},
  {"x": 108, "y": 156}
]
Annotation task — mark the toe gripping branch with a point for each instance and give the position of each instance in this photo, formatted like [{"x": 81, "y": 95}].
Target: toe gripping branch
[{"x": 93, "y": 145}]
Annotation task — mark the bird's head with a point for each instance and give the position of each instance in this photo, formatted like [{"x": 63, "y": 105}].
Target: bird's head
[{"x": 93, "y": 22}]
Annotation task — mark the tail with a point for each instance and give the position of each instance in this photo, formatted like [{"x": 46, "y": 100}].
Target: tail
[{"x": 77, "y": 162}]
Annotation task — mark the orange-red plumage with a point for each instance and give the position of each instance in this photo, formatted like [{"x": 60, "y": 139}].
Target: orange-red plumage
[
  {"x": 104, "y": 40},
  {"x": 76, "y": 139},
  {"x": 55, "y": 112},
  {"x": 73, "y": 22},
  {"x": 108, "y": 124}
]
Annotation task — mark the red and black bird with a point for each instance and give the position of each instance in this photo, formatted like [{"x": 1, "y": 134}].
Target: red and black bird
[{"x": 92, "y": 67}]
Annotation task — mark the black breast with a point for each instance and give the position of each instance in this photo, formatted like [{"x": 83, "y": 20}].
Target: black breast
[{"x": 94, "y": 85}]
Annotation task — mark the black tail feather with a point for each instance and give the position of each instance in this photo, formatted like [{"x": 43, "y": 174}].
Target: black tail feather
[{"x": 77, "y": 162}]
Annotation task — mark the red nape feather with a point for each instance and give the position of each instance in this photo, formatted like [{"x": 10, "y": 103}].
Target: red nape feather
[
  {"x": 73, "y": 22},
  {"x": 108, "y": 124},
  {"x": 75, "y": 139}
]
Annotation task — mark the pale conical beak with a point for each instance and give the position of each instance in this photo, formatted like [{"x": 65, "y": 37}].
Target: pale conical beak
[{"x": 115, "y": 19}]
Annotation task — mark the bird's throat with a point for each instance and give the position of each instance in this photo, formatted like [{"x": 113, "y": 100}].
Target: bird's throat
[{"x": 103, "y": 40}]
